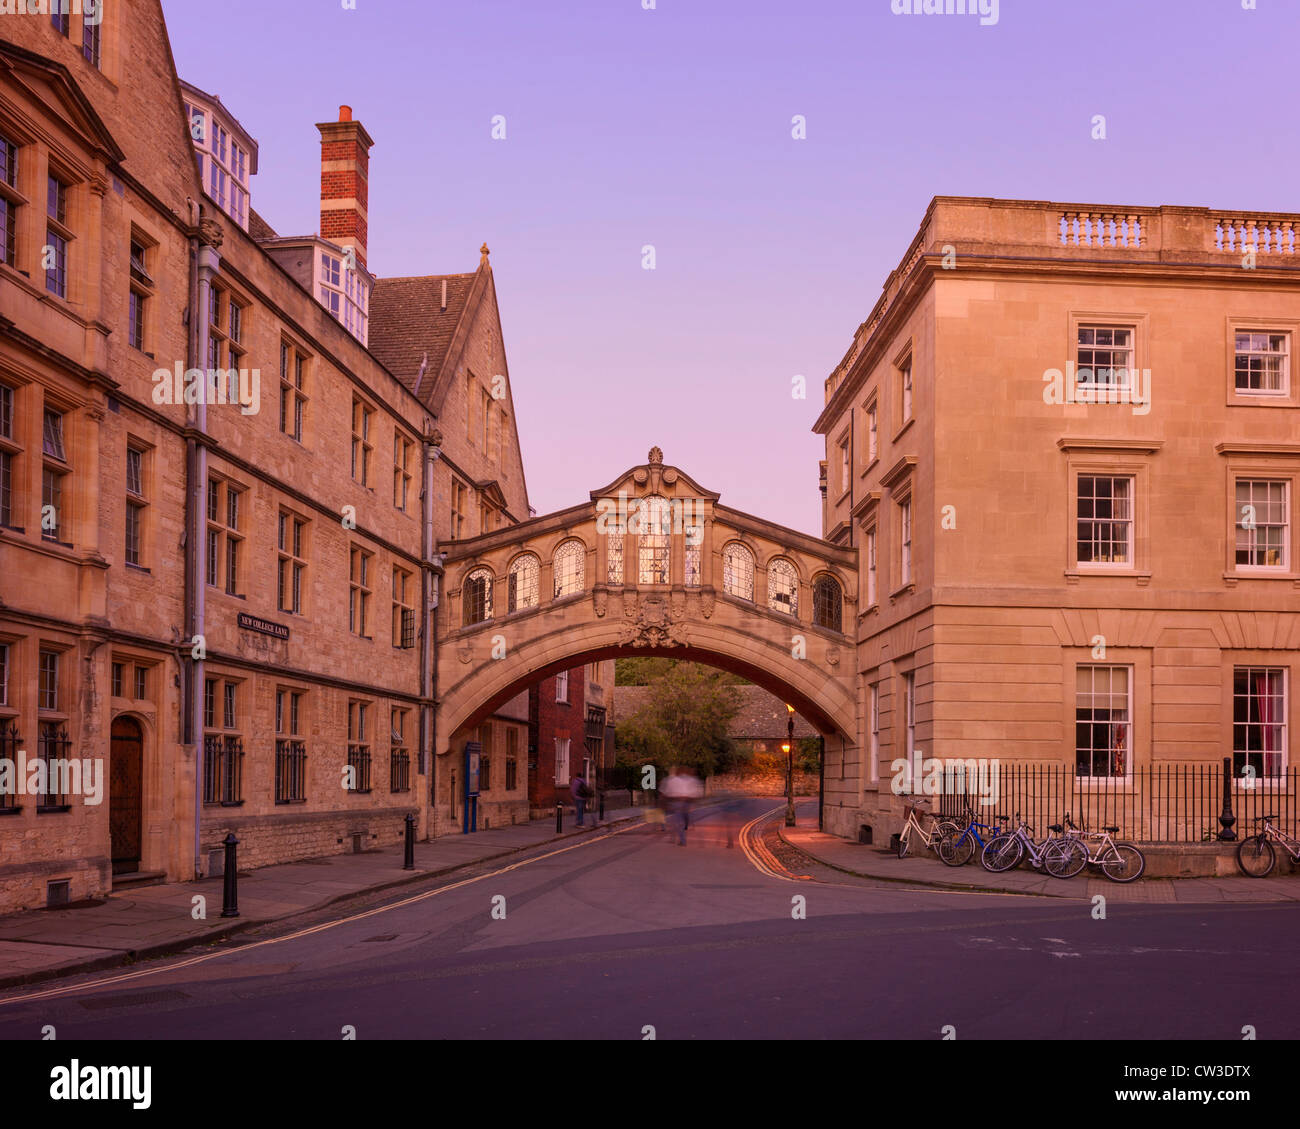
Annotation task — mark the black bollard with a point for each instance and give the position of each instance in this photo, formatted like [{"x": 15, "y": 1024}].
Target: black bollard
[
  {"x": 600, "y": 817},
  {"x": 559, "y": 817},
  {"x": 230, "y": 892},
  {"x": 1226, "y": 818},
  {"x": 409, "y": 863}
]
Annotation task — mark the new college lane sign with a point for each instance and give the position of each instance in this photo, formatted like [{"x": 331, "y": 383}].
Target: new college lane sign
[{"x": 263, "y": 626}]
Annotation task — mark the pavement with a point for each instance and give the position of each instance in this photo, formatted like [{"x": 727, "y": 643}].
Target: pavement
[
  {"x": 149, "y": 920},
  {"x": 884, "y": 865}
]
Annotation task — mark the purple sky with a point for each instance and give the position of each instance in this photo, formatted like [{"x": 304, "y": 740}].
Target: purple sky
[{"x": 673, "y": 127}]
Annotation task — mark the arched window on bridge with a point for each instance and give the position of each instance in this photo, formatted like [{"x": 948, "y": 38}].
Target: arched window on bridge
[
  {"x": 522, "y": 582},
  {"x": 827, "y": 603},
  {"x": 782, "y": 587},
  {"x": 694, "y": 538},
  {"x": 656, "y": 524},
  {"x": 738, "y": 571},
  {"x": 614, "y": 557},
  {"x": 568, "y": 562},
  {"x": 478, "y": 596}
]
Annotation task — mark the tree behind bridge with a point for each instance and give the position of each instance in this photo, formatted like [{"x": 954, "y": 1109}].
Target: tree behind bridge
[{"x": 685, "y": 722}]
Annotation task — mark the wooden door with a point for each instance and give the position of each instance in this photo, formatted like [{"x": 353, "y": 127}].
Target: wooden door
[{"x": 125, "y": 797}]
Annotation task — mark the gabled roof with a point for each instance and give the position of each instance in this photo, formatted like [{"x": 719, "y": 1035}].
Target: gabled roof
[
  {"x": 46, "y": 81},
  {"x": 407, "y": 321}
]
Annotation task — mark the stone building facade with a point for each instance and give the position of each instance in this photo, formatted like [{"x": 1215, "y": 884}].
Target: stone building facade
[
  {"x": 218, "y": 590},
  {"x": 1066, "y": 446}
]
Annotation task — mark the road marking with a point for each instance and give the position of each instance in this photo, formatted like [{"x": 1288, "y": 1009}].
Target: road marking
[{"x": 72, "y": 989}]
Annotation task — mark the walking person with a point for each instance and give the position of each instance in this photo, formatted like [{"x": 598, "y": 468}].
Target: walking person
[
  {"x": 582, "y": 793},
  {"x": 679, "y": 791}
]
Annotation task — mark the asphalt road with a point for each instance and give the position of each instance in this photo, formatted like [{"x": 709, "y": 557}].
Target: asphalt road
[{"x": 613, "y": 936}]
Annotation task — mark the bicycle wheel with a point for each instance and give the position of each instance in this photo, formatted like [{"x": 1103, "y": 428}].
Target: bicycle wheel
[
  {"x": 957, "y": 849},
  {"x": 1256, "y": 857},
  {"x": 1001, "y": 853},
  {"x": 1123, "y": 862},
  {"x": 904, "y": 842},
  {"x": 1064, "y": 858}
]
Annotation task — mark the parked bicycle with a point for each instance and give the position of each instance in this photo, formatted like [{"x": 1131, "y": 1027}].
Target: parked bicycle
[
  {"x": 1120, "y": 862},
  {"x": 1256, "y": 855},
  {"x": 1009, "y": 849},
  {"x": 956, "y": 847},
  {"x": 913, "y": 832}
]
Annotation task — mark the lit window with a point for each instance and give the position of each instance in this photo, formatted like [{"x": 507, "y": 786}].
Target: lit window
[
  {"x": 522, "y": 582},
  {"x": 477, "y": 596},
  {"x": 655, "y": 521},
  {"x": 568, "y": 563},
  {"x": 782, "y": 587},
  {"x": 738, "y": 571}
]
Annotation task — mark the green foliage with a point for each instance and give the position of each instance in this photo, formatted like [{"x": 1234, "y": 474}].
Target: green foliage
[
  {"x": 685, "y": 721},
  {"x": 647, "y": 671}
]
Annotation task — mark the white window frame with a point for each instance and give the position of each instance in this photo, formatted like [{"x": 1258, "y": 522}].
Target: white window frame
[
  {"x": 1130, "y": 674},
  {"x": 562, "y": 759},
  {"x": 1262, "y": 569},
  {"x": 1129, "y": 563}
]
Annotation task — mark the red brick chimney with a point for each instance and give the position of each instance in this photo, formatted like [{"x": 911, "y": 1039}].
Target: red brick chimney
[{"x": 345, "y": 182}]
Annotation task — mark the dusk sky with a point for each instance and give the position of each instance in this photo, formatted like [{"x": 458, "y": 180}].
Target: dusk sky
[{"x": 672, "y": 127}]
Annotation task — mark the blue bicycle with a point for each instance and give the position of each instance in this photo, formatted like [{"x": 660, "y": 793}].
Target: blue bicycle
[{"x": 957, "y": 846}]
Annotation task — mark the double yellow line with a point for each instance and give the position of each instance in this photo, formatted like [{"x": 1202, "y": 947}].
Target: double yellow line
[{"x": 762, "y": 859}]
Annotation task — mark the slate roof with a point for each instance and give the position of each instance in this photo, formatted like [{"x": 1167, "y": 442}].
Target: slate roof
[
  {"x": 258, "y": 228},
  {"x": 406, "y": 321},
  {"x": 761, "y": 715}
]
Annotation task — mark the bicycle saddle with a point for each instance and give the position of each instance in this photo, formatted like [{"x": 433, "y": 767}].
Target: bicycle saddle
[
  {"x": 1112, "y": 830},
  {"x": 1056, "y": 827}
]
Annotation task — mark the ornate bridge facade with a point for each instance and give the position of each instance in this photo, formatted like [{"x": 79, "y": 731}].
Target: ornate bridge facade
[{"x": 651, "y": 564}]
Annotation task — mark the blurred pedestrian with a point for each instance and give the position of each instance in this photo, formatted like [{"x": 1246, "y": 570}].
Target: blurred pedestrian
[
  {"x": 581, "y": 792},
  {"x": 680, "y": 791}
]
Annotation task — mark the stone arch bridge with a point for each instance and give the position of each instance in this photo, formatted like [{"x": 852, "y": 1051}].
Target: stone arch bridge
[{"x": 651, "y": 564}]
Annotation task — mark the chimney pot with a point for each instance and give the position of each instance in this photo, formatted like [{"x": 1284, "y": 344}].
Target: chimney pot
[{"x": 345, "y": 113}]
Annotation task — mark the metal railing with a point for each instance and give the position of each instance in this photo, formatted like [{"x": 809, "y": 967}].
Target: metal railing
[{"x": 1166, "y": 803}]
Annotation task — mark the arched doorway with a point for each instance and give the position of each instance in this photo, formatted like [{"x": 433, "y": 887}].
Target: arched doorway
[{"x": 125, "y": 794}]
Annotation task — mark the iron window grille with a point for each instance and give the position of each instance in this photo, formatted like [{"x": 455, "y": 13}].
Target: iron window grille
[
  {"x": 52, "y": 748},
  {"x": 399, "y": 770},
  {"x": 223, "y": 770},
  {"x": 10, "y": 742},
  {"x": 290, "y": 771}
]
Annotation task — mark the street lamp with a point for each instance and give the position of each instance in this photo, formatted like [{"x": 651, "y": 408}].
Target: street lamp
[{"x": 789, "y": 767}]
